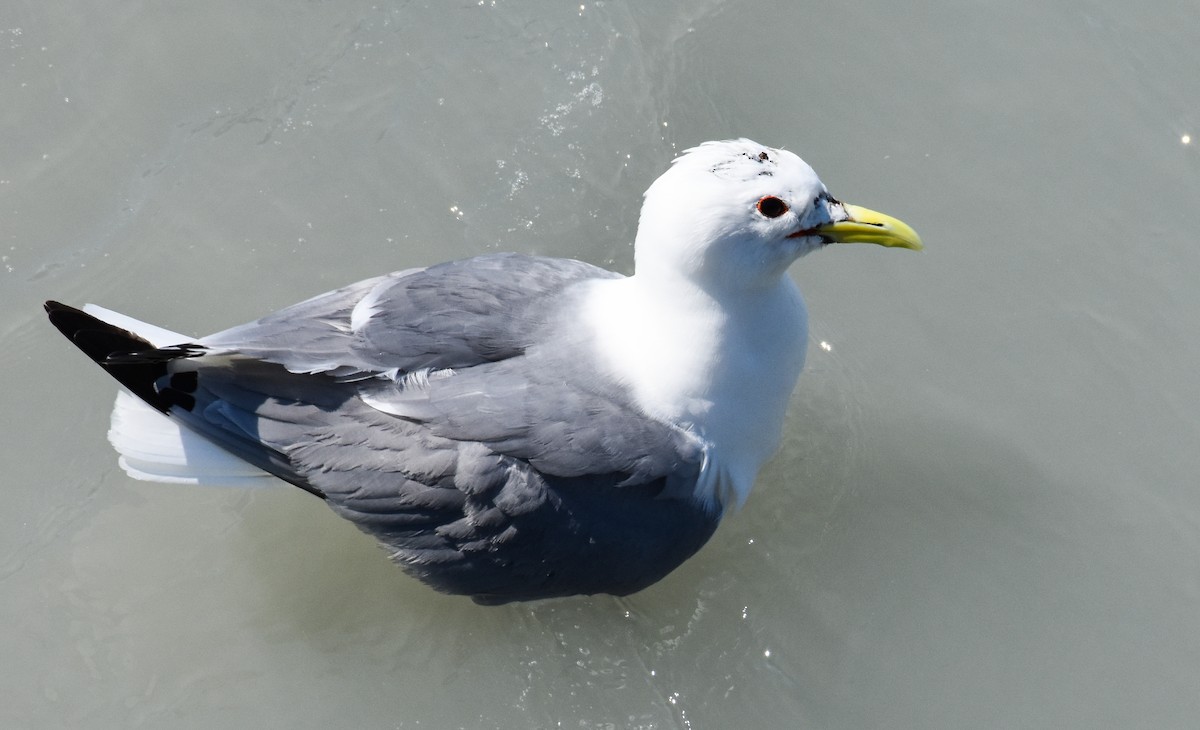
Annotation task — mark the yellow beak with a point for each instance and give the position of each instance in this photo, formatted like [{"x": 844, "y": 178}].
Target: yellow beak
[{"x": 868, "y": 226}]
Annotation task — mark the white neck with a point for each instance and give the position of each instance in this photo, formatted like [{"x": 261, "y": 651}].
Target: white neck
[{"x": 721, "y": 367}]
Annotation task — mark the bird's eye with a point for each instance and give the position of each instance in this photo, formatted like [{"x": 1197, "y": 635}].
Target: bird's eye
[{"x": 771, "y": 206}]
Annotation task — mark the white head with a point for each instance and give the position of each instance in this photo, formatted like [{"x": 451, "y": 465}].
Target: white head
[
  {"x": 709, "y": 333},
  {"x": 734, "y": 215}
]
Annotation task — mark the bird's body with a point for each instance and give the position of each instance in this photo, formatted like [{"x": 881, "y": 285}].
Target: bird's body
[{"x": 513, "y": 427}]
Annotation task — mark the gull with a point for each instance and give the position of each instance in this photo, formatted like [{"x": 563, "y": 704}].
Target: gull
[{"x": 513, "y": 427}]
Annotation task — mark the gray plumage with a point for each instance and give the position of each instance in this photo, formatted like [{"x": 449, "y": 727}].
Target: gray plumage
[
  {"x": 527, "y": 474},
  {"x": 513, "y": 427}
]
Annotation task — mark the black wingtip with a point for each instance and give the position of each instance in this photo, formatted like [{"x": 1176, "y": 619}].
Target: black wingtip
[
  {"x": 66, "y": 318},
  {"x": 106, "y": 345},
  {"x": 143, "y": 369},
  {"x": 98, "y": 339}
]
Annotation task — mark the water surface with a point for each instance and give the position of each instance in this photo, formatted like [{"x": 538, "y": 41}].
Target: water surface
[{"x": 985, "y": 512}]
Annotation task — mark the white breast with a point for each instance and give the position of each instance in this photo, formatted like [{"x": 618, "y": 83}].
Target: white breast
[{"x": 721, "y": 369}]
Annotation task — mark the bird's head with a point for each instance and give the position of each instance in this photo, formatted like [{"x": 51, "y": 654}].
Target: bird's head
[{"x": 735, "y": 214}]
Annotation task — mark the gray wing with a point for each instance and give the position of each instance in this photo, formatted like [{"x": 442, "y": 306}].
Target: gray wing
[
  {"x": 548, "y": 407},
  {"x": 447, "y": 412},
  {"x": 460, "y": 515},
  {"x": 452, "y": 315}
]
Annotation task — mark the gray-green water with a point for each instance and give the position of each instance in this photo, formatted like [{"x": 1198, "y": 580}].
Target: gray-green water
[{"x": 986, "y": 511}]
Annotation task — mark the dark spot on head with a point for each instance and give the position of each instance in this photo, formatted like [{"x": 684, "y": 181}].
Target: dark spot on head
[{"x": 763, "y": 155}]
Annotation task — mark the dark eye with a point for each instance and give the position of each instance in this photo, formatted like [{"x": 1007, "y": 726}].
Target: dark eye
[{"x": 772, "y": 207}]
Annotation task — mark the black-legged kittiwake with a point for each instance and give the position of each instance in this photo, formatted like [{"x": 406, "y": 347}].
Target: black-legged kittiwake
[{"x": 513, "y": 427}]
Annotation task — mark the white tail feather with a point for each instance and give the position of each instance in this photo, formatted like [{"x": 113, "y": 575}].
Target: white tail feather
[
  {"x": 153, "y": 447},
  {"x": 156, "y": 449}
]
